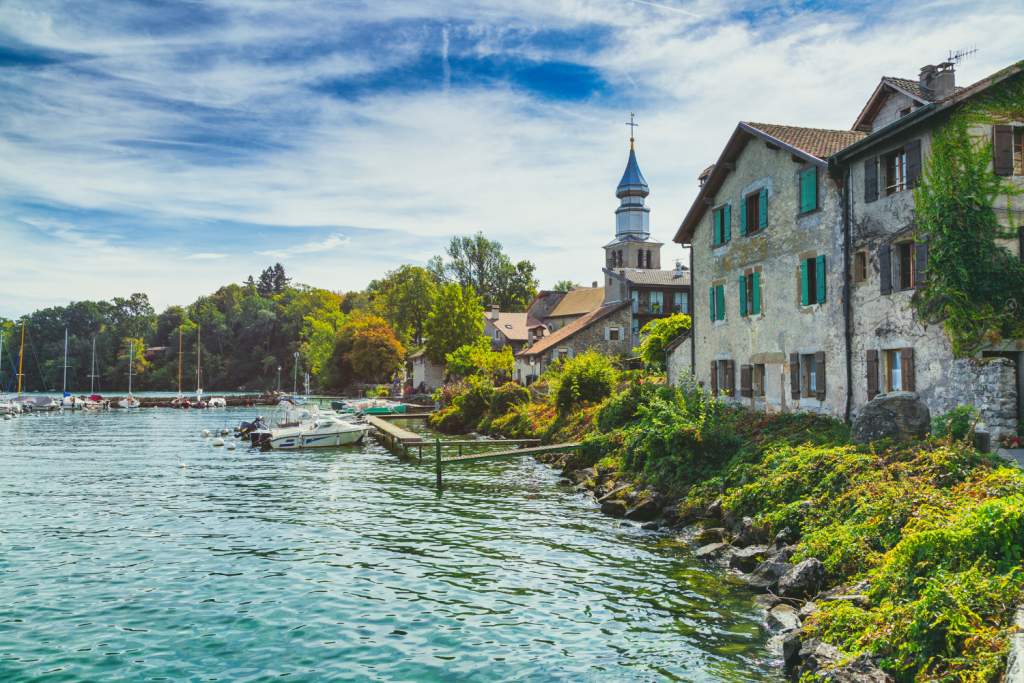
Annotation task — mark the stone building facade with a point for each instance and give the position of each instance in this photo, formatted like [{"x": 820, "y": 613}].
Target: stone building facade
[
  {"x": 425, "y": 371},
  {"x": 678, "y": 360},
  {"x": 766, "y": 235},
  {"x": 605, "y": 330}
]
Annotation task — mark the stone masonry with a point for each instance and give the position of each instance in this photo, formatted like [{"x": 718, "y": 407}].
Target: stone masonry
[{"x": 990, "y": 385}]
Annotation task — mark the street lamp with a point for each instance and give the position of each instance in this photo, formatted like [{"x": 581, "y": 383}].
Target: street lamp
[
  {"x": 295, "y": 377},
  {"x": 279, "y": 379}
]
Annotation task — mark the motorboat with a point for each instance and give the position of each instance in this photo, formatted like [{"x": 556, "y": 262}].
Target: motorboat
[
  {"x": 370, "y": 406},
  {"x": 217, "y": 402},
  {"x": 256, "y": 431},
  {"x": 304, "y": 426},
  {"x": 35, "y": 403},
  {"x": 8, "y": 407},
  {"x": 129, "y": 402},
  {"x": 180, "y": 402}
]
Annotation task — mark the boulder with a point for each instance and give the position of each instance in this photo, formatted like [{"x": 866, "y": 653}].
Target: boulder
[
  {"x": 715, "y": 509},
  {"x": 783, "y": 618},
  {"x": 899, "y": 415},
  {"x": 716, "y": 535},
  {"x": 823, "y": 659},
  {"x": 711, "y": 551},
  {"x": 645, "y": 509},
  {"x": 807, "y": 610},
  {"x": 565, "y": 482},
  {"x": 767, "y": 601},
  {"x": 745, "y": 533},
  {"x": 802, "y": 579},
  {"x": 782, "y": 554},
  {"x": 650, "y": 526},
  {"x": 783, "y": 538},
  {"x": 746, "y": 559},
  {"x": 586, "y": 475},
  {"x": 766, "y": 575},
  {"x": 614, "y": 508},
  {"x": 791, "y": 649}
]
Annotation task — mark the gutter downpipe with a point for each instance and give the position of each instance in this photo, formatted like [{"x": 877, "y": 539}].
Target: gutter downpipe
[
  {"x": 847, "y": 287},
  {"x": 693, "y": 320}
]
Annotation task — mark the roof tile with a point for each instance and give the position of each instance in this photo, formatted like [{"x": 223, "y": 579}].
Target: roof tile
[
  {"x": 579, "y": 301},
  {"x": 572, "y": 328},
  {"x": 819, "y": 142}
]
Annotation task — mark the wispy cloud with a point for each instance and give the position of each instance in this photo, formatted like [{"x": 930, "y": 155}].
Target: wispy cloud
[
  {"x": 332, "y": 242},
  {"x": 194, "y": 128},
  {"x": 206, "y": 256}
]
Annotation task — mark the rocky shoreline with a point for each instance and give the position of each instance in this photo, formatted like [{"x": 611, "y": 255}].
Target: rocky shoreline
[{"x": 788, "y": 593}]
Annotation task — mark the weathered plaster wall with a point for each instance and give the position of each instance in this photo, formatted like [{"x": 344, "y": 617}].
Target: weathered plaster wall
[
  {"x": 890, "y": 110},
  {"x": 784, "y": 325},
  {"x": 423, "y": 370},
  {"x": 678, "y": 363}
]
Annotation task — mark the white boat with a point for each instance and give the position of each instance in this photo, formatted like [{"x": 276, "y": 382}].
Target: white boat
[
  {"x": 130, "y": 401},
  {"x": 67, "y": 401},
  {"x": 35, "y": 403},
  {"x": 305, "y": 427},
  {"x": 6, "y": 407},
  {"x": 216, "y": 402}
]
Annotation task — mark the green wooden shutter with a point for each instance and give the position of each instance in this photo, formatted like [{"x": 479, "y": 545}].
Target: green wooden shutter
[
  {"x": 803, "y": 283},
  {"x": 808, "y": 190},
  {"x": 720, "y": 302},
  {"x": 726, "y": 223},
  {"x": 743, "y": 217},
  {"x": 820, "y": 277},
  {"x": 764, "y": 209},
  {"x": 711, "y": 298},
  {"x": 743, "y": 295},
  {"x": 756, "y": 304},
  {"x": 718, "y": 227}
]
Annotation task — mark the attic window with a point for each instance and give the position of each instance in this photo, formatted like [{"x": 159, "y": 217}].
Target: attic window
[
  {"x": 904, "y": 112},
  {"x": 508, "y": 327}
]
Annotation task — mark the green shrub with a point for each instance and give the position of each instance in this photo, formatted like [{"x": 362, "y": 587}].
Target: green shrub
[
  {"x": 475, "y": 402},
  {"x": 955, "y": 423},
  {"x": 587, "y": 378},
  {"x": 507, "y": 396}
]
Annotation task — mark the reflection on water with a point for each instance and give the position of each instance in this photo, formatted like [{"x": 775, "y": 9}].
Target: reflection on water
[{"x": 334, "y": 564}]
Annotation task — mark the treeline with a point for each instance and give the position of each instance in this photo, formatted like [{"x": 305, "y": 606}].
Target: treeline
[{"x": 250, "y": 332}]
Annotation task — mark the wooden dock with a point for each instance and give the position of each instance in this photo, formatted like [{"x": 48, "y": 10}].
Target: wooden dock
[
  {"x": 493, "y": 455},
  {"x": 399, "y": 437}
]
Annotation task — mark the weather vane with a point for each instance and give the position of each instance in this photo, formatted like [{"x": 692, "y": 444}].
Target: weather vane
[{"x": 631, "y": 127}]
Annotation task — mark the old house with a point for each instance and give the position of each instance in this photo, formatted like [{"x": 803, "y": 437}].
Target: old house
[
  {"x": 425, "y": 372},
  {"x": 609, "y": 318},
  {"x": 891, "y": 350},
  {"x": 767, "y": 249},
  {"x": 510, "y": 329}
]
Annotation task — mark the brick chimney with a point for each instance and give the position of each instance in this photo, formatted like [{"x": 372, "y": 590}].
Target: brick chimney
[
  {"x": 594, "y": 285},
  {"x": 494, "y": 311}
]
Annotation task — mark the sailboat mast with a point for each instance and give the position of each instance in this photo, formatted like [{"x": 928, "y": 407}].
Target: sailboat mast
[
  {"x": 199, "y": 358},
  {"x": 21, "y": 355},
  {"x": 131, "y": 357},
  {"x": 92, "y": 373},
  {"x": 64, "y": 387},
  {"x": 179, "y": 361}
]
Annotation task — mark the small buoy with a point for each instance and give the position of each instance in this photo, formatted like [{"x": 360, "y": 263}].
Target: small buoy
[
  {"x": 218, "y": 441},
  {"x": 230, "y": 446},
  {"x": 225, "y": 431},
  {"x": 6, "y": 416},
  {"x": 205, "y": 432}
]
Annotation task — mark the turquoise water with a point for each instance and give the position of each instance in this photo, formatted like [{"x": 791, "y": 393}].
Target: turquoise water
[{"x": 337, "y": 564}]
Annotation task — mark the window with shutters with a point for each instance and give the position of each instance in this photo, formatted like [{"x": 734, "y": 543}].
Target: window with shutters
[
  {"x": 893, "y": 371},
  {"x": 895, "y": 172},
  {"x": 809, "y": 189},
  {"x": 613, "y": 334},
  {"x": 717, "y": 295},
  {"x": 860, "y": 267},
  {"x": 722, "y": 228},
  {"x": 812, "y": 281}
]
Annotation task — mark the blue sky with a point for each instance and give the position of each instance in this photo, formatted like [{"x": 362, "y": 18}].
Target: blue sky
[{"x": 172, "y": 147}]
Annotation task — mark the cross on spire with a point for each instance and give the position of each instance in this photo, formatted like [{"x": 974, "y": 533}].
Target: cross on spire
[{"x": 631, "y": 127}]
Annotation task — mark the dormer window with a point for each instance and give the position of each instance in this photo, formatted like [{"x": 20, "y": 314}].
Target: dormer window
[{"x": 904, "y": 112}]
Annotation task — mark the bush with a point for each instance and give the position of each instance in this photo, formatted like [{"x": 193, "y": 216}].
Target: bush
[
  {"x": 475, "y": 402},
  {"x": 587, "y": 378},
  {"x": 383, "y": 392},
  {"x": 955, "y": 423},
  {"x": 507, "y": 396}
]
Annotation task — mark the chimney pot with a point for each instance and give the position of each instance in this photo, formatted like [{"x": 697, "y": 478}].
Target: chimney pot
[
  {"x": 494, "y": 311},
  {"x": 595, "y": 283},
  {"x": 679, "y": 269}
]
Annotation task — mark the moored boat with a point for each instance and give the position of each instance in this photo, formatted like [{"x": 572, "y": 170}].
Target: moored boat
[
  {"x": 305, "y": 427},
  {"x": 370, "y": 406}
]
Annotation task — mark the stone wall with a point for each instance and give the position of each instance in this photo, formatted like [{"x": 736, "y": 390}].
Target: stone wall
[
  {"x": 990, "y": 385},
  {"x": 679, "y": 365}
]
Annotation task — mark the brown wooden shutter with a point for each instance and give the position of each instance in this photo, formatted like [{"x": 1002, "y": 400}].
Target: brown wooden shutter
[
  {"x": 1002, "y": 150},
  {"x": 913, "y": 149},
  {"x": 907, "y": 368},
  {"x": 872, "y": 373},
  {"x": 885, "y": 268},
  {"x": 714, "y": 378},
  {"x": 794, "y": 375},
  {"x": 871, "y": 179},
  {"x": 746, "y": 390},
  {"x": 730, "y": 378},
  {"x": 921, "y": 264},
  {"x": 819, "y": 375}
]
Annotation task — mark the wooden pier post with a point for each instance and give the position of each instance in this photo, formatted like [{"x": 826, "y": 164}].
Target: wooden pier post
[{"x": 437, "y": 443}]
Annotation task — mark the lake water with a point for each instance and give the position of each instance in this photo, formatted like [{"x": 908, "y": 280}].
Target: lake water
[{"x": 336, "y": 564}]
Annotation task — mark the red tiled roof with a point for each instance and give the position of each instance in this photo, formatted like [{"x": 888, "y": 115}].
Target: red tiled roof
[
  {"x": 819, "y": 142},
  {"x": 570, "y": 329}
]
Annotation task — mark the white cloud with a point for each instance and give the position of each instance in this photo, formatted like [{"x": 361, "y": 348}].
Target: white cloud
[{"x": 332, "y": 242}]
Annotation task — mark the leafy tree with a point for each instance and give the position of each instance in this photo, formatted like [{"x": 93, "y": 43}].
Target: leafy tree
[
  {"x": 456, "y": 319},
  {"x": 658, "y": 334},
  {"x": 479, "y": 358},
  {"x": 354, "y": 301},
  {"x": 132, "y": 317},
  {"x": 376, "y": 354},
  {"x": 564, "y": 286},
  {"x": 480, "y": 263},
  {"x": 404, "y": 299}
]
